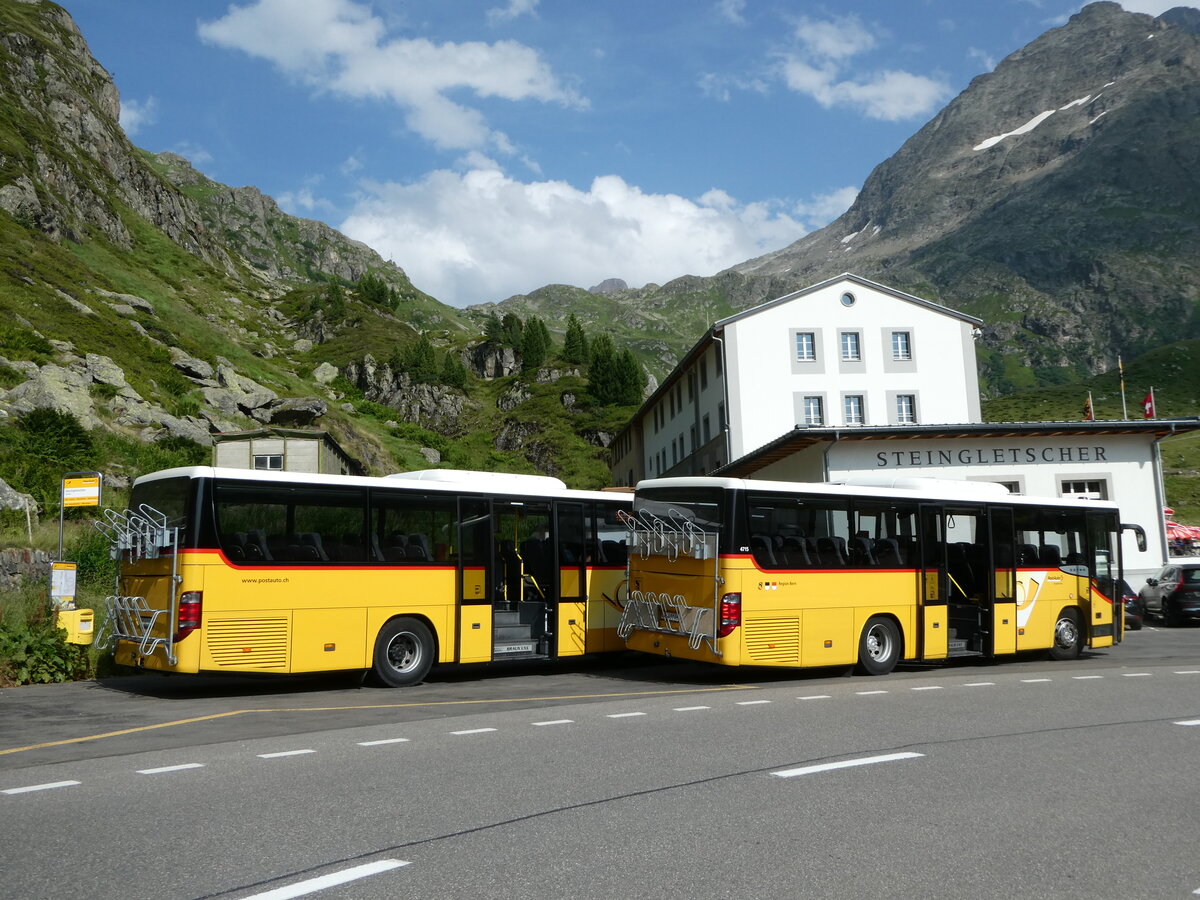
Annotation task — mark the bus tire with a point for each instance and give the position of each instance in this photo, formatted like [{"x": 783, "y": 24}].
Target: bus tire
[
  {"x": 879, "y": 646},
  {"x": 1068, "y": 636},
  {"x": 404, "y": 652}
]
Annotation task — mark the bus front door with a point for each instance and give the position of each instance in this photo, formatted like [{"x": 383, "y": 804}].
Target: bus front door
[{"x": 933, "y": 582}]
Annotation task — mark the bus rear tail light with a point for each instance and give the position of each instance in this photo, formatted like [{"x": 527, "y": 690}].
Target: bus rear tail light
[
  {"x": 190, "y": 603},
  {"x": 731, "y": 614}
]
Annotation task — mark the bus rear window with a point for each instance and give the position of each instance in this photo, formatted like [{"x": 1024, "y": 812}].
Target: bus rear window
[
  {"x": 168, "y": 496},
  {"x": 702, "y": 507}
]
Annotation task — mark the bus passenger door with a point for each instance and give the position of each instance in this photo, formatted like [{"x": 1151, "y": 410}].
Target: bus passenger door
[
  {"x": 571, "y": 557},
  {"x": 474, "y": 580},
  {"x": 1107, "y": 625},
  {"x": 933, "y": 585},
  {"x": 1003, "y": 638}
]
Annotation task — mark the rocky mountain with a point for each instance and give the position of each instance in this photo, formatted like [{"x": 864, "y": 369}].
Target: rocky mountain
[
  {"x": 156, "y": 306},
  {"x": 1056, "y": 198}
]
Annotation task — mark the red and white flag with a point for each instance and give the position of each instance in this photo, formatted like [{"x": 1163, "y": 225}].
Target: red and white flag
[{"x": 1148, "y": 404}]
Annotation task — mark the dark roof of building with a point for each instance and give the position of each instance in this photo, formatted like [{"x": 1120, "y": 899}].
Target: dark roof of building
[{"x": 802, "y": 437}]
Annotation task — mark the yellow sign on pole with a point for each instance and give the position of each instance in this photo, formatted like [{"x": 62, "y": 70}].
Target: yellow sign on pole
[{"x": 81, "y": 490}]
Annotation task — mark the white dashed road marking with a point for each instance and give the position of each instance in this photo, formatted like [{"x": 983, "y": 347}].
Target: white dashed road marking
[
  {"x": 312, "y": 885},
  {"x": 474, "y": 731},
  {"x": 39, "y": 787},
  {"x": 690, "y": 708},
  {"x": 162, "y": 770},
  {"x": 1189, "y": 722},
  {"x": 928, "y": 687},
  {"x": 555, "y": 722},
  {"x": 284, "y": 753},
  {"x": 625, "y": 715},
  {"x": 814, "y": 697},
  {"x": 752, "y": 702},
  {"x": 1035, "y": 680},
  {"x": 846, "y": 764},
  {"x": 380, "y": 743},
  {"x": 869, "y": 693}
]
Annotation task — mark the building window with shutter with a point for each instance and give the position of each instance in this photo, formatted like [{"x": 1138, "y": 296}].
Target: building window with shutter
[
  {"x": 812, "y": 411},
  {"x": 850, "y": 346},
  {"x": 853, "y": 411},
  {"x": 806, "y": 346}
]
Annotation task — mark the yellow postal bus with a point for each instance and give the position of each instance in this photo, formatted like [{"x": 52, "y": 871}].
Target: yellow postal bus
[
  {"x": 235, "y": 570},
  {"x": 741, "y": 572}
]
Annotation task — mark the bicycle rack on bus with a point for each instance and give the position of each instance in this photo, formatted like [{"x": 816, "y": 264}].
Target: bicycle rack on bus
[
  {"x": 134, "y": 535},
  {"x": 670, "y": 536}
]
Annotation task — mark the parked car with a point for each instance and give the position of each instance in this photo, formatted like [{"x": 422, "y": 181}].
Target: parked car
[
  {"x": 1173, "y": 595},
  {"x": 1134, "y": 613}
]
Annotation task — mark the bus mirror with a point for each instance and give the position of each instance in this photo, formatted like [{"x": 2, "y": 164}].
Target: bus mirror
[{"x": 1139, "y": 534}]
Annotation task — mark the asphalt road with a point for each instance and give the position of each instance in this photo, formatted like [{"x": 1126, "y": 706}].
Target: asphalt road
[{"x": 631, "y": 778}]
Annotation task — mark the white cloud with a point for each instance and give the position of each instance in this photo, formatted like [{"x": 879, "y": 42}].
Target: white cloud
[
  {"x": 135, "y": 115},
  {"x": 822, "y": 54},
  {"x": 515, "y": 9},
  {"x": 824, "y": 208},
  {"x": 834, "y": 39},
  {"x": 480, "y": 235},
  {"x": 731, "y": 11},
  {"x": 340, "y": 47}
]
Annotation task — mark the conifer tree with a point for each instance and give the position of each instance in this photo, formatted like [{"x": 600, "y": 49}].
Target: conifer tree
[
  {"x": 535, "y": 344},
  {"x": 575, "y": 343}
]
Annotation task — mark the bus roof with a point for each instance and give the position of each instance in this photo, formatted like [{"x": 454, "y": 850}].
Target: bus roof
[
  {"x": 907, "y": 488},
  {"x": 424, "y": 481}
]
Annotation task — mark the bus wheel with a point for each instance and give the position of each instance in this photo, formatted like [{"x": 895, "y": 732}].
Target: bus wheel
[
  {"x": 879, "y": 646},
  {"x": 1068, "y": 639},
  {"x": 403, "y": 652}
]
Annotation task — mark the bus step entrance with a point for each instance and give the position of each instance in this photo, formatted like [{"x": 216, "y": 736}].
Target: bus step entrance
[
  {"x": 957, "y": 646},
  {"x": 520, "y": 633}
]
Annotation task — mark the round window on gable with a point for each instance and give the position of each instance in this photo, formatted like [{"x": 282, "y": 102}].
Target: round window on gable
[{"x": 847, "y": 299}]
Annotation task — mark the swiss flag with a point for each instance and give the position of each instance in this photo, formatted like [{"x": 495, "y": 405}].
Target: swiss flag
[{"x": 1148, "y": 405}]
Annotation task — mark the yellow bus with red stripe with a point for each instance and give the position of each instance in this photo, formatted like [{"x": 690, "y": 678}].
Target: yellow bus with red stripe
[
  {"x": 743, "y": 572},
  {"x": 231, "y": 570}
]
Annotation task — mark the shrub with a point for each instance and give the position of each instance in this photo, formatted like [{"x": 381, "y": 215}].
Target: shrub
[{"x": 33, "y": 651}]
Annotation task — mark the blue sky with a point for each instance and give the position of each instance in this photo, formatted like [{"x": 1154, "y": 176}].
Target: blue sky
[{"x": 493, "y": 147}]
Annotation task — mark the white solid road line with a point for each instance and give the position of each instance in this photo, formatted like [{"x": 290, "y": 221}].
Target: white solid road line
[
  {"x": 163, "y": 769},
  {"x": 284, "y": 753},
  {"x": 846, "y": 764},
  {"x": 39, "y": 787},
  {"x": 313, "y": 885}
]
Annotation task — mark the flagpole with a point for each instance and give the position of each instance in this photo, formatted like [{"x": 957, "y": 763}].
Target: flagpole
[{"x": 1124, "y": 408}]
